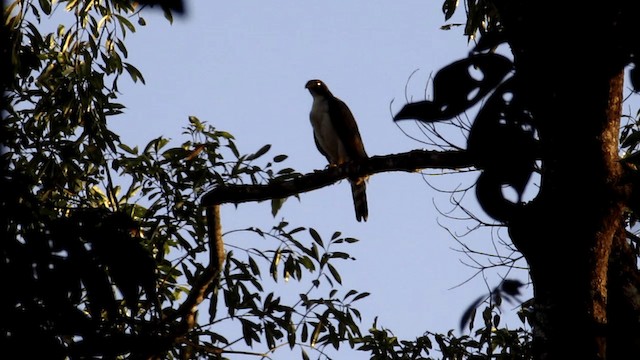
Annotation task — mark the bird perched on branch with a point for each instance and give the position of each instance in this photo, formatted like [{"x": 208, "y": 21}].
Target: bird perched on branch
[{"x": 337, "y": 137}]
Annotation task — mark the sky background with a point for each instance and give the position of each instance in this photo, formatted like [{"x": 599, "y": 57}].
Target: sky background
[{"x": 241, "y": 66}]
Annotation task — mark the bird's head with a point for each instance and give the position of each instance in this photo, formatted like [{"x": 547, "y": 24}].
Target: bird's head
[{"x": 317, "y": 87}]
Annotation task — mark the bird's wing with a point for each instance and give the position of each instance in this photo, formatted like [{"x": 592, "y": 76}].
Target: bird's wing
[
  {"x": 320, "y": 148},
  {"x": 346, "y": 128}
]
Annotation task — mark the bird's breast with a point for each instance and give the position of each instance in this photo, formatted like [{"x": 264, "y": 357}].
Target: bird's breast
[{"x": 323, "y": 130}]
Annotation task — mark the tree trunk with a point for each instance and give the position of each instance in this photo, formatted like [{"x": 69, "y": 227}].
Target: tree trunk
[
  {"x": 576, "y": 216},
  {"x": 573, "y": 84}
]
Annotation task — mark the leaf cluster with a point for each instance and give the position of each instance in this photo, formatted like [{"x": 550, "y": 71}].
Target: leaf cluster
[
  {"x": 481, "y": 17},
  {"x": 489, "y": 341},
  {"x": 309, "y": 319},
  {"x": 102, "y": 241}
]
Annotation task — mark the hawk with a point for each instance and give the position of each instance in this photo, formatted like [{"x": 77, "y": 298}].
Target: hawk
[{"x": 338, "y": 139}]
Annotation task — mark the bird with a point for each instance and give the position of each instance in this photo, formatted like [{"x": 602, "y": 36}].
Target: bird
[{"x": 337, "y": 137}]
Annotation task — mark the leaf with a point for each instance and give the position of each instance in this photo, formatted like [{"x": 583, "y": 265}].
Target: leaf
[
  {"x": 276, "y": 205},
  {"x": 225, "y": 135},
  {"x": 511, "y": 287},
  {"x": 318, "y": 328},
  {"x": 263, "y": 150},
  {"x": 168, "y": 15},
  {"x": 316, "y": 237},
  {"x": 134, "y": 73},
  {"x": 193, "y": 120},
  {"x": 279, "y": 158},
  {"x": 450, "y": 26},
  {"x": 187, "y": 273},
  {"x": 268, "y": 300},
  {"x": 490, "y": 40},
  {"x": 249, "y": 331},
  {"x": 274, "y": 264},
  {"x": 332, "y": 293},
  {"x": 633, "y": 158},
  {"x": 502, "y": 138},
  {"x": 335, "y": 273},
  {"x": 340, "y": 255},
  {"x": 305, "y": 356},
  {"x": 291, "y": 334},
  {"x": 104, "y": 20},
  {"x": 96, "y": 284},
  {"x": 448, "y": 8},
  {"x": 634, "y": 76},
  {"x": 361, "y": 296},
  {"x": 632, "y": 140},
  {"x": 296, "y": 230},
  {"x": 213, "y": 305},
  {"x": 270, "y": 335},
  {"x": 491, "y": 198},
  {"x": 486, "y": 315},
  {"x": 125, "y": 23},
  {"x": 234, "y": 149},
  {"x": 9, "y": 10},
  {"x": 315, "y": 254},
  {"x": 307, "y": 263},
  {"x": 255, "y": 269},
  {"x": 469, "y": 313},
  {"x": 455, "y": 89},
  {"x": 45, "y": 5},
  {"x": 70, "y": 36},
  {"x": 305, "y": 333},
  {"x": 131, "y": 267},
  {"x": 349, "y": 293}
]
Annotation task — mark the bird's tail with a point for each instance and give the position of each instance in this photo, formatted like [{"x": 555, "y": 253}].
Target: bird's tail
[{"x": 359, "y": 191}]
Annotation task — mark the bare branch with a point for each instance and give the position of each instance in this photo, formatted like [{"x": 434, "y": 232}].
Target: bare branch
[{"x": 208, "y": 280}]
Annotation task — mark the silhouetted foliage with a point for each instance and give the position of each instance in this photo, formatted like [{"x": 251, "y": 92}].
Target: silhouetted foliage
[
  {"x": 102, "y": 240},
  {"x": 554, "y": 118},
  {"x": 104, "y": 244},
  {"x": 502, "y": 139}
]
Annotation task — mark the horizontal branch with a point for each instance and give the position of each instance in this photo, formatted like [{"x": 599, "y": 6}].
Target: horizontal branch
[{"x": 411, "y": 161}]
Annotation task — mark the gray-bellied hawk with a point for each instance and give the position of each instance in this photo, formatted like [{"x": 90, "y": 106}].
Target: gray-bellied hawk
[{"x": 338, "y": 139}]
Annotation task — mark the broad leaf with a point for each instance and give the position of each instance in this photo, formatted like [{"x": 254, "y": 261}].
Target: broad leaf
[{"x": 455, "y": 89}]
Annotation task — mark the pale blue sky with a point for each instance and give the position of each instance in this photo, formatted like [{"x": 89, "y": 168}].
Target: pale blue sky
[{"x": 242, "y": 66}]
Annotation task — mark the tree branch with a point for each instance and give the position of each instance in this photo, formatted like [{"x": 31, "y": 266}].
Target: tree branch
[
  {"x": 210, "y": 276},
  {"x": 410, "y": 161},
  {"x": 276, "y": 189}
]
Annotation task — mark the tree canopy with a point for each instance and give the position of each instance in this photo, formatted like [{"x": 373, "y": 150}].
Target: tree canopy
[{"x": 117, "y": 251}]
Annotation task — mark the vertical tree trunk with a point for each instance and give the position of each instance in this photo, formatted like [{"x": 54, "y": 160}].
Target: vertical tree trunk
[
  {"x": 576, "y": 216},
  {"x": 573, "y": 84}
]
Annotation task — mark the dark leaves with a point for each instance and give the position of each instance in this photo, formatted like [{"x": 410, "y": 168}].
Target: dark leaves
[
  {"x": 459, "y": 86},
  {"x": 503, "y": 143},
  {"x": 502, "y": 138},
  {"x": 509, "y": 289},
  {"x": 62, "y": 274},
  {"x": 176, "y": 6},
  {"x": 114, "y": 252},
  {"x": 634, "y": 77},
  {"x": 489, "y": 41},
  {"x": 448, "y": 8}
]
